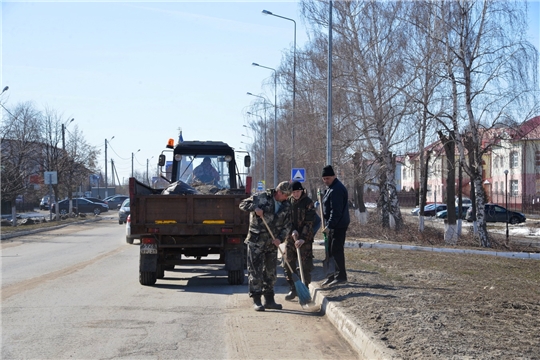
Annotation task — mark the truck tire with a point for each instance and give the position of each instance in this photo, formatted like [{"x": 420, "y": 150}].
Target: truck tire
[
  {"x": 129, "y": 240},
  {"x": 236, "y": 277},
  {"x": 160, "y": 272},
  {"x": 147, "y": 277}
]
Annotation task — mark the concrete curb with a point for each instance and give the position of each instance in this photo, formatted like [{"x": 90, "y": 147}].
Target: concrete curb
[
  {"x": 35, "y": 231},
  {"x": 365, "y": 344}
]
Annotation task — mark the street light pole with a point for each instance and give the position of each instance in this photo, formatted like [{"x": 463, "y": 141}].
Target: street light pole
[
  {"x": 64, "y": 126},
  {"x": 106, "y": 184},
  {"x": 275, "y": 120},
  {"x": 132, "y": 156},
  {"x": 266, "y": 12},
  {"x": 264, "y": 158},
  {"x": 506, "y": 195},
  {"x": 275, "y": 134}
]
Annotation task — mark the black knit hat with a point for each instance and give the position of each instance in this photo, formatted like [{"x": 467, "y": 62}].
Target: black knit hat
[
  {"x": 297, "y": 185},
  {"x": 328, "y": 171}
]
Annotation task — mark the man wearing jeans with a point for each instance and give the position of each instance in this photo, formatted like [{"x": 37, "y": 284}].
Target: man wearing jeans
[{"x": 335, "y": 205}]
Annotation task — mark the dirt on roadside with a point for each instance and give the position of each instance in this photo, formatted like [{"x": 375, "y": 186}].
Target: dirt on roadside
[{"x": 432, "y": 305}]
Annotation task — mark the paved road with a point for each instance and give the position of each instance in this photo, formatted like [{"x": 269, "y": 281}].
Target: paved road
[{"x": 74, "y": 293}]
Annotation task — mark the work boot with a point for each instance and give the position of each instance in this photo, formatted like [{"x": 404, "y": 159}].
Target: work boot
[
  {"x": 257, "y": 305},
  {"x": 291, "y": 295},
  {"x": 270, "y": 303}
]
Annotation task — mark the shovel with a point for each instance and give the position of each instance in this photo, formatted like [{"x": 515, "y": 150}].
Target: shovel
[
  {"x": 329, "y": 267},
  {"x": 295, "y": 237}
]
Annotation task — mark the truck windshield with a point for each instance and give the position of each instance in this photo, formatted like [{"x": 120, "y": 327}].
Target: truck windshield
[{"x": 204, "y": 169}]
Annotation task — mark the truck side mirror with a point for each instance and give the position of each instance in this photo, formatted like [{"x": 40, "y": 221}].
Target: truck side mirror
[
  {"x": 161, "y": 160},
  {"x": 247, "y": 161}
]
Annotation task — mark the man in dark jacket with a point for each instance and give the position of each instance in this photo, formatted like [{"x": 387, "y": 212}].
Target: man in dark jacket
[
  {"x": 261, "y": 248},
  {"x": 335, "y": 205}
]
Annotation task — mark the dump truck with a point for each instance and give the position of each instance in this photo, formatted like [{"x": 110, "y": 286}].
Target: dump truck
[{"x": 190, "y": 216}]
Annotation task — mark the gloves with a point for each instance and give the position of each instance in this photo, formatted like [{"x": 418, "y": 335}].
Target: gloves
[
  {"x": 299, "y": 243},
  {"x": 326, "y": 231}
]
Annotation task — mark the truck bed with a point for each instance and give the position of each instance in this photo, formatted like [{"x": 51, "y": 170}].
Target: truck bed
[{"x": 186, "y": 215}]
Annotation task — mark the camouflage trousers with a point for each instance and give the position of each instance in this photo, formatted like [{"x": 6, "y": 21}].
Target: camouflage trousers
[
  {"x": 306, "y": 254},
  {"x": 261, "y": 264}
]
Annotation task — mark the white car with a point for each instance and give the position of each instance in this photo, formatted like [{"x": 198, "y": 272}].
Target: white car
[{"x": 129, "y": 238}]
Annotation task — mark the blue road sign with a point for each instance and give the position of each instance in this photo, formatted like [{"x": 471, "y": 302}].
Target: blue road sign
[{"x": 298, "y": 174}]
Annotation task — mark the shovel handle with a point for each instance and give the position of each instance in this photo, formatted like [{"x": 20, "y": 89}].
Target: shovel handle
[
  {"x": 273, "y": 237},
  {"x": 300, "y": 264}
]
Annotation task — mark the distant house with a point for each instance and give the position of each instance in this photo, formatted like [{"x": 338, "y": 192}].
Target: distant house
[{"x": 517, "y": 151}]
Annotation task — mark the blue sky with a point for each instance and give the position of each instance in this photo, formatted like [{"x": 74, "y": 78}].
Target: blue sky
[{"x": 138, "y": 71}]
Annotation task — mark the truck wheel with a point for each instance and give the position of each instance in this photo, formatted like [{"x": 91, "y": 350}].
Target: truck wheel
[
  {"x": 236, "y": 277},
  {"x": 160, "y": 272},
  {"x": 147, "y": 277},
  {"x": 129, "y": 240}
]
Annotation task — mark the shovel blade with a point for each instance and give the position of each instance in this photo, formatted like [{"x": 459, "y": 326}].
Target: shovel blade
[{"x": 329, "y": 266}]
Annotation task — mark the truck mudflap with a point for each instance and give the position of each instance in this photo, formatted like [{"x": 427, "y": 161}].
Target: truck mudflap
[
  {"x": 148, "y": 262},
  {"x": 234, "y": 260}
]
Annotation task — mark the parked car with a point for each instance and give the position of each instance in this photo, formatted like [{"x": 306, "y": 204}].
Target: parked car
[
  {"x": 429, "y": 209},
  {"x": 115, "y": 201},
  {"x": 497, "y": 213},
  {"x": 44, "y": 203},
  {"x": 80, "y": 205},
  {"x": 129, "y": 238},
  {"x": 123, "y": 212},
  {"x": 465, "y": 201},
  {"x": 96, "y": 200},
  {"x": 443, "y": 214}
]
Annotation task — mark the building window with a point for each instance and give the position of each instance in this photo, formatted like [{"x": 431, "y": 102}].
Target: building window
[
  {"x": 501, "y": 161},
  {"x": 537, "y": 158},
  {"x": 496, "y": 187},
  {"x": 513, "y": 160},
  {"x": 514, "y": 187},
  {"x": 496, "y": 162},
  {"x": 538, "y": 186}
]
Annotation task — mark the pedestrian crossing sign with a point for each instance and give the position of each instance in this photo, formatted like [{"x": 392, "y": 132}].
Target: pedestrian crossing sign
[{"x": 298, "y": 174}]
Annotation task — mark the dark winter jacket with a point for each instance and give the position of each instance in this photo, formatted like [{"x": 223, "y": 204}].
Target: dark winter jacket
[{"x": 335, "y": 204}]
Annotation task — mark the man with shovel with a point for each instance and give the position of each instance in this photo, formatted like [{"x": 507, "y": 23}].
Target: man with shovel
[
  {"x": 261, "y": 248},
  {"x": 335, "y": 205}
]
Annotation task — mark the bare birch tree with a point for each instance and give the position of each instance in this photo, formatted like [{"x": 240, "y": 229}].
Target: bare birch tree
[{"x": 20, "y": 152}]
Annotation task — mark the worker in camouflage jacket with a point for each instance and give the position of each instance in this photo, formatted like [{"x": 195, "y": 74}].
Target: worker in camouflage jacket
[
  {"x": 261, "y": 248},
  {"x": 301, "y": 237}
]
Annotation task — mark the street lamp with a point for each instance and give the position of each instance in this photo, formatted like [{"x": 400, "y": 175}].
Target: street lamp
[
  {"x": 266, "y": 12},
  {"x": 132, "y": 156},
  {"x": 275, "y": 122},
  {"x": 106, "y": 184},
  {"x": 264, "y": 156},
  {"x": 147, "y": 177},
  {"x": 506, "y": 186},
  {"x": 64, "y": 126},
  {"x": 275, "y": 138}
]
